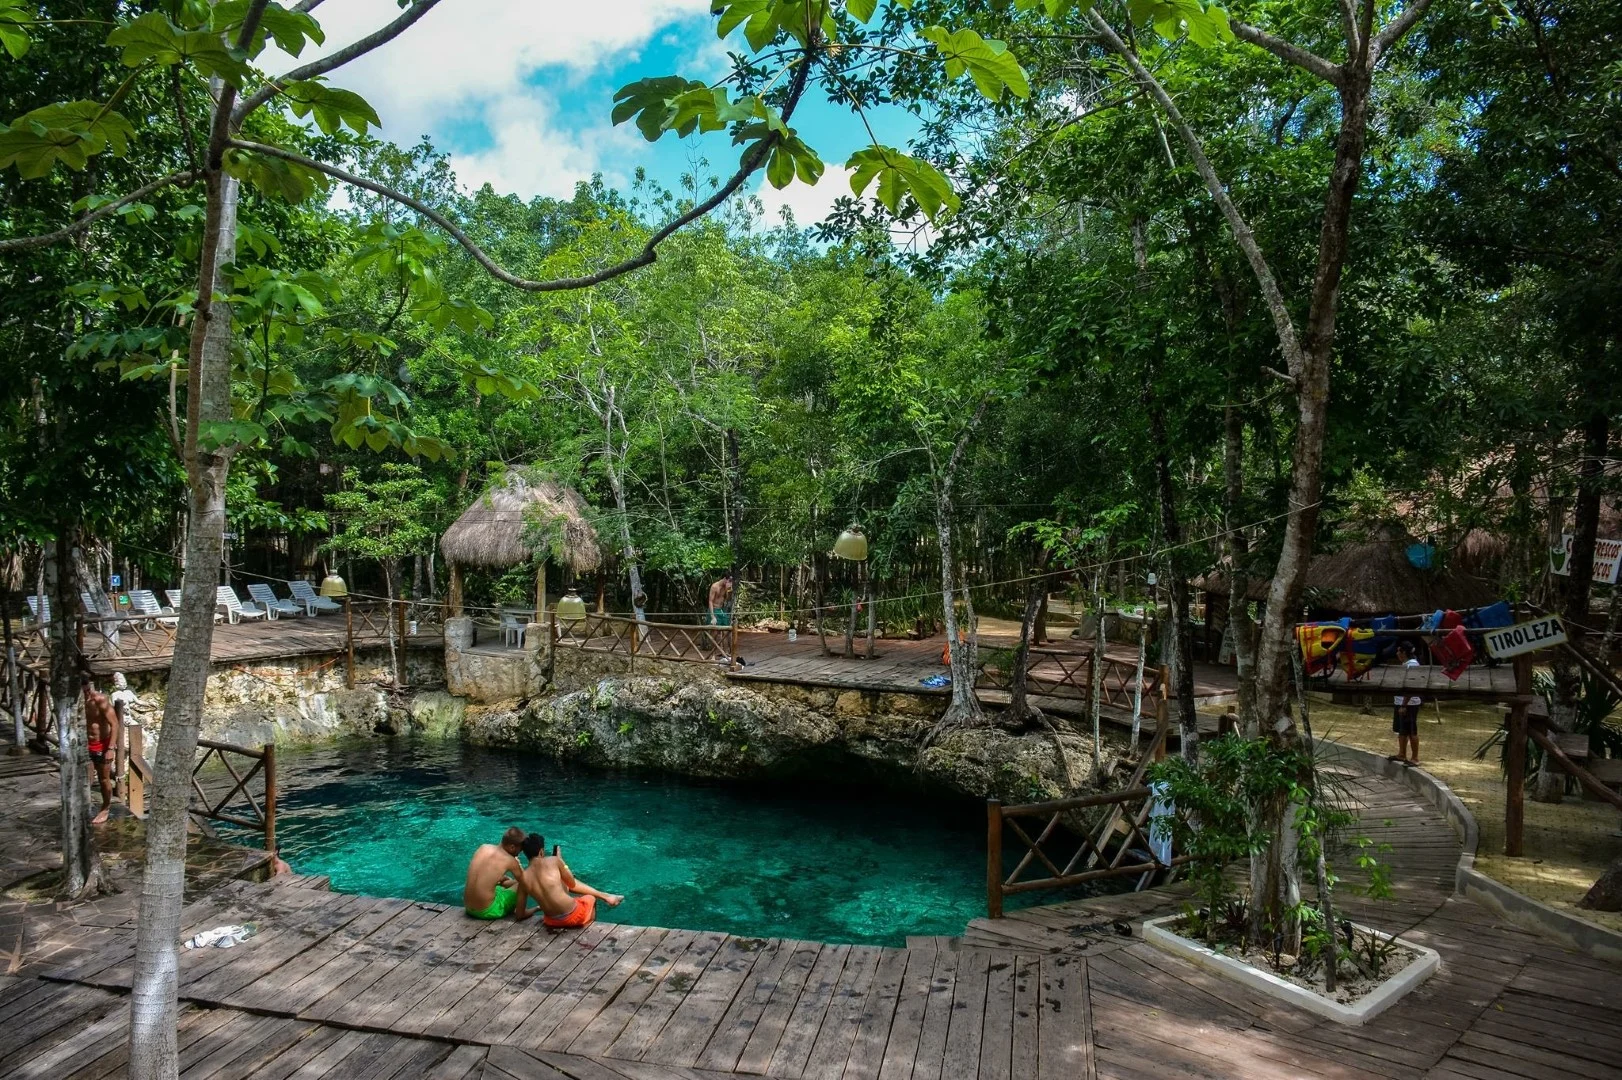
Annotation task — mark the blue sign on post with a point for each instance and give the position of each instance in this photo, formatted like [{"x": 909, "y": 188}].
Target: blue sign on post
[{"x": 115, "y": 581}]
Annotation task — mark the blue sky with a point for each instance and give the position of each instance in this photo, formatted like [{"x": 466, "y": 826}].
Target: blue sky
[{"x": 518, "y": 92}]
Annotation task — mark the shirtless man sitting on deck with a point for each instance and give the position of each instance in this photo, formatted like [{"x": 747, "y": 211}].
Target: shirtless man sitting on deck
[
  {"x": 549, "y": 881},
  {"x": 488, "y": 893}
]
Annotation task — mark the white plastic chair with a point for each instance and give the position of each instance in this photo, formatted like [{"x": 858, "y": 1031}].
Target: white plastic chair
[
  {"x": 314, "y": 603},
  {"x": 512, "y": 631},
  {"x": 265, "y": 597},
  {"x": 227, "y": 598}
]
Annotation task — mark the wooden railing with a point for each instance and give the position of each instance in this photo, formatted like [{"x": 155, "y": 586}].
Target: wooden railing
[
  {"x": 210, "y": 808},
  {"x": 1070, "y": 675},
  {"x": 1111, "y": 833},
  {"x": 658, "y": 641},
  {"x": 117, "y": 637}
]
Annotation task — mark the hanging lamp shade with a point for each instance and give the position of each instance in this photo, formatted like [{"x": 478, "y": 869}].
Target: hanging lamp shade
[
  {"x": 333, "y": 585},
  {"x": 571, "y": 607},
  {"x": 852, "y": 545}
]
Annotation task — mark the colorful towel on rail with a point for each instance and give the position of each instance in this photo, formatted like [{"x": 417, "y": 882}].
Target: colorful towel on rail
[
  {"x": 1490, "y": 617},
  {"x": 1454, "y": 652},
  {"x": 1358, "y": 652},
  {"x": 1321, "y": 644}
]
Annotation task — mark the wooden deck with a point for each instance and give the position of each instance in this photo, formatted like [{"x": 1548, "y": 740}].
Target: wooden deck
[
  {"x": 353, "y": 986},
  {"x": 899, "y": 666},
  {"x": 247, "y": 642},
  {"x": 1479, "y": 681}
]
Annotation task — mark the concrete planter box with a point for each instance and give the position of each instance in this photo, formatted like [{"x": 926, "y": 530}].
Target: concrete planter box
[{"x": 1370, "y": 1005}]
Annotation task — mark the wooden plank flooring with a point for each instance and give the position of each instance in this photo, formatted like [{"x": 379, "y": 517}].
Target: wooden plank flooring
[{"x": 351, "y": 986}]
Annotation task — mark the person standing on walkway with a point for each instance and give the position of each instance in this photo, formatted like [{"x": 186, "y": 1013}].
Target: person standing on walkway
[
  {"x": 1405, "y": 713},
  {"x": 101, "y": 734}
]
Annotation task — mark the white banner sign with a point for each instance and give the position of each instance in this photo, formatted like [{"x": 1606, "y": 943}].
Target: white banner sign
[
  {"x": 1526, "y": 637},
  {"x": 1607, "y": 559}
]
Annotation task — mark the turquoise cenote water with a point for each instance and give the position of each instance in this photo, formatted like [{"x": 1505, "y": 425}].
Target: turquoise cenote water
[{"x": 400, "y": 818}]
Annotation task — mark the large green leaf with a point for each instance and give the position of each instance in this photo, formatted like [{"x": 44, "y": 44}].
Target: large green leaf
[
  {"x": 987, "y": 61},
  {"x": 333, "y": 107},
  {"x": 70, "y": 132},
  {"x": 274, "y": 175},
  {"x": 1205, "y": 24},
  {"x": 16, "y": 17},
  {"x": 649, "y": 101},
  {"x": 154, "y": 39},
  {"x": 898, "y": 176},
  {"x": 861, "y": 10},
  {"x": 290, "y": 29}
]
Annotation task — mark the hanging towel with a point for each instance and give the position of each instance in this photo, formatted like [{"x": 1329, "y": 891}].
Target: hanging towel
[
  {"x": 1431, "y": 621},
  {"x": 1320, "y": 645},
  {"x": 1490, "y": 617},
  {"x": 1454, "y": 652},
  {"x": 1384, "y": 644},
  {"x": 1358, "y": 652}
]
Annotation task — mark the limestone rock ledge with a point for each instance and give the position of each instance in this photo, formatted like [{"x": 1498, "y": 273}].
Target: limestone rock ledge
[{"x": 697, "y": 723}]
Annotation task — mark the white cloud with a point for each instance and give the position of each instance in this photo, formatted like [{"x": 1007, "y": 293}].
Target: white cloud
[
  {"x": 530, "y": 154},
  {"x": 809, "y": 204},
  {"x": 474, "y": 60}
]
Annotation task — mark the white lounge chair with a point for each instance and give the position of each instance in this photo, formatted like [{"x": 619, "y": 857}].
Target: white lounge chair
[
  {"x": 227, "y": 598},
  {"x": 39, "y": 607},
  {"x": 145, "y": 604},
  {"x": 174, "y": 603},
  {"x": 265, "y": 597},
  {"x": 314, "y": 603}
]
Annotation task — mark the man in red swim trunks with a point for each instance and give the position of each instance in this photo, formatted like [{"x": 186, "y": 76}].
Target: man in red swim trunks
[
  {"x": 548, "y": 880},
  {"x": 101, "y": 722}
]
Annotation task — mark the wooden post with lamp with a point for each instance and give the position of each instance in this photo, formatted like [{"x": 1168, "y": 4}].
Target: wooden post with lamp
[
  {"x": 852, "y": 546},
  {"x": 334, "y": 587}
]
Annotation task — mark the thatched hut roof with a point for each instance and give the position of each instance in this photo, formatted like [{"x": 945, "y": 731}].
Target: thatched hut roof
[
  {"x": 1373, "y": 578},
  {"x": 519, "y": 517}
]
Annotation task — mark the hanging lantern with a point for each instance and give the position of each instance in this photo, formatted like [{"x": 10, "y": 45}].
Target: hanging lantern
[
  {"x": 571, "y": 608},
  {"x": 851, "y": 545},
  {"x": 333, "y": 585}
]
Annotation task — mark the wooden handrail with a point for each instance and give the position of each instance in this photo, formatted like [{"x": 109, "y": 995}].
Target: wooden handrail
[
  {"x": 264, "y": 762},
  {"x": 1584, "y": 777}
]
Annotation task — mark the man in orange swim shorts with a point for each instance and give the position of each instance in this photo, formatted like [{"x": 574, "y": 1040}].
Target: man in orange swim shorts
[{"x": 554, "y": 888}]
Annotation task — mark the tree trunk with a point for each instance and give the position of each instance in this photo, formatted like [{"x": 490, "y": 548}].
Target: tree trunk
[
  {"x": 1020, "y": 711},
  {"x": 1236, "y": 547},
  {"x": 1550, "y": 784},
  {"x": 633, "y": 569},
  {"x": 734, "y": 523},
  {"x": 153, "y": 1006},
  {"x": 1181, "y": 643},
  {"x": 81, "y": 872},
  {"x": 965, "y": 707}
]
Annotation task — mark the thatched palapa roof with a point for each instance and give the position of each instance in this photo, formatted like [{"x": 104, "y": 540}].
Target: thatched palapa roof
[
  {"x": 1373, "y": 578},
  {"x": 519, "y": 517}
]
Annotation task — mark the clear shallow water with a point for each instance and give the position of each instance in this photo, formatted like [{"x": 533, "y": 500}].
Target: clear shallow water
[{"x": 400, "y": 818}]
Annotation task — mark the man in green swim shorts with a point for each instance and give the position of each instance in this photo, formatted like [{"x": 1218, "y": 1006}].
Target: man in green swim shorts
[{"x": 495, "y": 880}]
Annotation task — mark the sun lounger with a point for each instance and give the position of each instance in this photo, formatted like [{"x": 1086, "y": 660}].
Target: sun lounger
[
  {"x": 39, "y": 607},
  {"x": 314, "y": 603},
  {"x": 227, "y": 598},
  {"x": 174, "y": 604},
  {"x": 265, "y": 597},
  {"x": 145, "y": 604}
]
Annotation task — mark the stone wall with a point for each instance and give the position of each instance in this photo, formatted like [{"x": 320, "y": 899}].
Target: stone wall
[{"x": 303, "y": 699}]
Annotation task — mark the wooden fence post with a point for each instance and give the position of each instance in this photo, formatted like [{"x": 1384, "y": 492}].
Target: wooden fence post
[
  {"x": 135, "y": 798},
  {"x": 400, "y": 633},
  {"x": 1515, "y": 759},
  {"x": 732, "y": 648},
  {"x": 349, "y": 643},
  {"x": 994, "y": 858},
  {"x": 270, "y": 798}
]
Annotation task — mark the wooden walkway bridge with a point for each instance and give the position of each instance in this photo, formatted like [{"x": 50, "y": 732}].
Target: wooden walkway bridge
[{"x": 364, "y": 987}]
